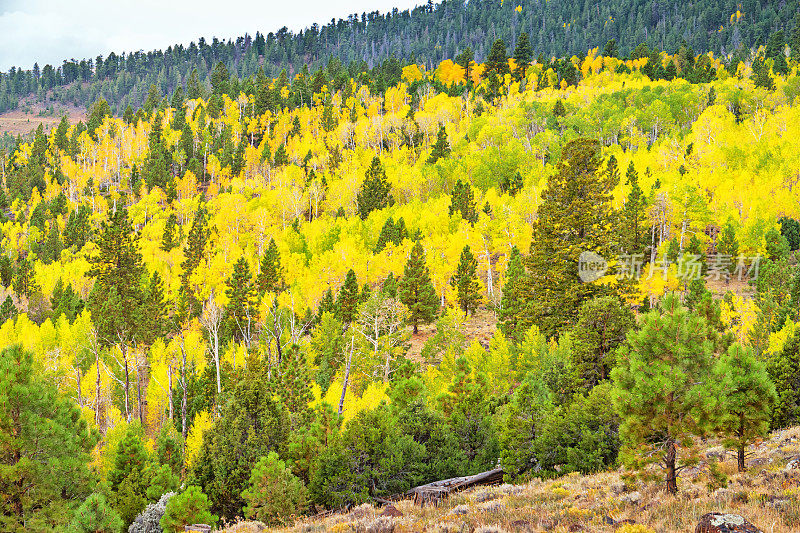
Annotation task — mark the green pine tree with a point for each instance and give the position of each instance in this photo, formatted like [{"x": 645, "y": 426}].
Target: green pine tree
[
  {"x": 270, "y": 279},
  {"x": 24, "y": 283},
  {"x": 193, "y": 254},
  {"x": 348, "y": 299},
  {"x": 441, "y": 148},
  {"x": 575, "y": 216},
  {"x": 375, "y": 192},
  {"x": 661, "y": 390},
  {"x": 95, "y": 515},
  {"x": 240, "y": 313},
  {"x": 745, "y": 395},
  {"x": 168, "y": 239},
  {"x": 633, "y": 219},
  {"x": 416, "y": 290},
  {"x": 523, "y": 54},
  {"x": 462, "y": 201},
  {"x": 512, "y": 303},
  {"x": 465, "y": 281},
  {"x": 727, "y": 244},
  {"x": 274, "y": 495},
  {"x": 46, "y": 448}
]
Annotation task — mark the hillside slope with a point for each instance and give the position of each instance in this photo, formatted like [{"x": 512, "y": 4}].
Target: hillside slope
[
  {"x": 766, "y": 495},
  {"x": 427, "y": 35}
]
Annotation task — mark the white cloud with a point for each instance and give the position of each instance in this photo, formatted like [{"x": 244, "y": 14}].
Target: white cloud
[{"x": 49, "y": 31}]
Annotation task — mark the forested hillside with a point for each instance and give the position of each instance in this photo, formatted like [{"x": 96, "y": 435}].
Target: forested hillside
[
  {"x": 426, "y": 35},
  {"x": 261, "y": 295}
]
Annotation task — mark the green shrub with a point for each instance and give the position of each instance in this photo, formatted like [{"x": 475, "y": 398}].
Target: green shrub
[{"x": 190, "y": 507}]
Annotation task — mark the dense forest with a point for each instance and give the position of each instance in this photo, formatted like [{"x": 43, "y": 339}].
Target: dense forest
[
  {"x": 426, "y": 35},
  {"x": 257, "y": 298}
]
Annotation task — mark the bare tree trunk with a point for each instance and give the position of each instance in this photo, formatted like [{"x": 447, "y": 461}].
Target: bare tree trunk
[
  {"x": 80, "y": 395},
  {"x": 171, "y": 406},
  {"x": 183, "y": 399},
  {"x": 127, "y": 384},
  {"x": 346, "y": 377},
  {"x": 97, "y": 417}
]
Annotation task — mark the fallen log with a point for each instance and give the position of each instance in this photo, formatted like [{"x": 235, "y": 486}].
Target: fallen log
[{"x": 431, "y": 493}]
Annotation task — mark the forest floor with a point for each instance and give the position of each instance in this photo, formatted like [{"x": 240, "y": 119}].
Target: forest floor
[
  {"x": 27, "y": 117},
  {"x": 767, "y": 494}
]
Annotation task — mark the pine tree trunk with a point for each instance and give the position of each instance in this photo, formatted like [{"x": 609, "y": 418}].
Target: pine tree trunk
[
  {"x": 740, "y": 449},
  {"x": 670, "y": 459},
  {"x": 740, "y": 458}
]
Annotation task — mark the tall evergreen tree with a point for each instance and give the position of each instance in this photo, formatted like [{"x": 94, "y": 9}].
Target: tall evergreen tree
[
  {"x": 348, "y": 299},
  {"x": 465, "y": 281},
  {"x": 441, "y": 148},
  {"x": 270, "y": 279},
  {"x": 375, "y": 191},
  {"x": 633, "y": 231},
  {"x": 661, "y": 390},
  {"x": 416, "y": 290},
  {"x": 575, "y": 217},
  {"x": 744, "y": 399},
  {"x": 193, "y": 254},
  {"x": 523, "y": 53},
  {"x": 240, "y": 313},
  {"x": 46, "y": 448},
  {"x": 116, "y": 299},
  {"x": 512, "y": 302},
  {"x": 462, "y": 201},
  {"x": 168, "y": 239}
]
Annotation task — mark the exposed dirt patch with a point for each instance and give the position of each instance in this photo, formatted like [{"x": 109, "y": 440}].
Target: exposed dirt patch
[{"x": 27, "y": 117}]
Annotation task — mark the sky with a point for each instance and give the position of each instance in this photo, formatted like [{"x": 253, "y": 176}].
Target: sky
[{"x": 49, "y": 31}]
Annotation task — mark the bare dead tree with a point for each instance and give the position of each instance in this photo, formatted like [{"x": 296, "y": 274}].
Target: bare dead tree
[{"x": 211, "y": 319}]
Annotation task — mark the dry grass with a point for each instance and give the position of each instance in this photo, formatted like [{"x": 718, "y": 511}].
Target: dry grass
[{"x": 768, "y": 495}]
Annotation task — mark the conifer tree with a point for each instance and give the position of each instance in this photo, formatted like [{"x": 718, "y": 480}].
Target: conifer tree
[
  {"x": 794, "y": 39},
  {"x": 95, "y": 515},
  {"x": 8, "y": 310},
  {"x": 348, "y": 299},
  {"x": 575, "y": 217},
  {"x": 465, "y": 281},
  {"x": 512, "y": 303},
  {"x": 168, "y": 241},
  {"x": 633, "y": 231},
  {"x": 281, "y": 157},
  {"x": 512, "y": 185},
  {"x": 523, "y": 53},
  {"x": 441, "y": 148},
  {"x": 326, "y": 305},
  {"x": 375, "y": 190},
  {"x": 416, "y": 290},
  {"x": 241, "y": 295},
  {"x": 193, "y": 254},
  {"x": 496, "y": 67},
  {"x": 602, "y": 326},
  {"x": 24, "y": 283},
  {"x": 462, "y": 201},
  {"x": 661, "y": 386},
  {"x": 745, "y": 395},
  {"x": 465, "y": 60},
  {"x": 270, "y": 279},
  {"x": 46, "y": 448},
  {"x": 727, "y": 244}
]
